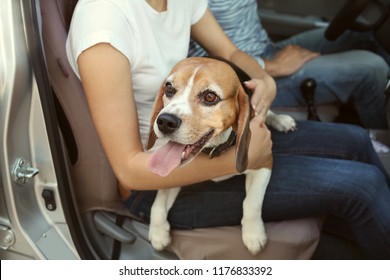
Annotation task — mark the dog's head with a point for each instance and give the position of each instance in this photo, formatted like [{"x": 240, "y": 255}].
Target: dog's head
[{"x": 200, "y": 99}]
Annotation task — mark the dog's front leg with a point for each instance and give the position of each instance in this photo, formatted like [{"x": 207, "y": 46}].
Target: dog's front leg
[
  {"x": 253, "y": 231},
  {"x": 159, "y": 229},
  {"x": 281, "y": 122}
]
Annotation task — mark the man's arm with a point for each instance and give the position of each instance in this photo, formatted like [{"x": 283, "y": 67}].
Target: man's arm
[{"x": 209, "y": 34}]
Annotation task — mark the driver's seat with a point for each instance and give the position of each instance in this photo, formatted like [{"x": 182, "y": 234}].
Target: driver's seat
[{"x": 112, "y": 231}]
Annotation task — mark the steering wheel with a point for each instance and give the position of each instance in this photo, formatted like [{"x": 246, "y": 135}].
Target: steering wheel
[{"x": 345, "y": 18}]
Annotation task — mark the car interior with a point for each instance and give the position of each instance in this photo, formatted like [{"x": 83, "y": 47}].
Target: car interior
[{"x": 108, "y": 230}]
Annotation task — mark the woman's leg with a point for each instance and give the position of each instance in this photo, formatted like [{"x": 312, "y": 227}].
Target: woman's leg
[
  {"x": 337, "y": 241},
  {"x": 328, "y": 140},
  {"x": 301, "y": 186}
]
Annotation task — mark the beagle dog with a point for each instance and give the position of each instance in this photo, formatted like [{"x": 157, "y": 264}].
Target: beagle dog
[{"x": 203, "y": 107}]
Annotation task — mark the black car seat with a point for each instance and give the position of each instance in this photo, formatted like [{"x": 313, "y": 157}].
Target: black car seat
[{"x": 112, "y": 231}]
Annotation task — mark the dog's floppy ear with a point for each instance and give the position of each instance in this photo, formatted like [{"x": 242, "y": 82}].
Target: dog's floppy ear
[
  {"x": 243, "y": 131},
  {"x": 158, "y": 105}
]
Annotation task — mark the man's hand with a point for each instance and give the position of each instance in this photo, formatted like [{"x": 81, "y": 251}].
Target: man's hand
[{"x": 288, "y": 61}]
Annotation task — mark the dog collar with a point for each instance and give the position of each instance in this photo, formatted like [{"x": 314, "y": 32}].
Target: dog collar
[{"x": 221, "y": 148}]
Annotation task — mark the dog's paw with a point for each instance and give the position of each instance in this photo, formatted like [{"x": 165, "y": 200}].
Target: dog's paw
[
  {"x": 282, "y": 123},
  {"x": 159, "y": 236},
  {"x": 254, "y": 237}
]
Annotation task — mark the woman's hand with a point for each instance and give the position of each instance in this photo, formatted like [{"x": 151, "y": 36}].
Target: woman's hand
[
  {"x": 288, "y": 61},
  {"x": 264, "y": 91}
]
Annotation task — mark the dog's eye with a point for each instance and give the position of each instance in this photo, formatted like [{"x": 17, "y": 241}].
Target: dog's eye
[
  {"x": 210, "y": 97},
  {"x": 169, "y": 90}
]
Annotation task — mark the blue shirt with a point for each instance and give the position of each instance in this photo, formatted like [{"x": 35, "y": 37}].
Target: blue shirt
[{"x": 241, "y": 23}]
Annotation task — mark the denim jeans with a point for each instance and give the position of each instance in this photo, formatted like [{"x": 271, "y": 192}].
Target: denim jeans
[
  {"x": 348, "y": 68},
  {"x": 321, "y": 169}
]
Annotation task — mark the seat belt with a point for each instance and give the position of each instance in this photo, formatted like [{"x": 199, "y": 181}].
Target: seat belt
[{"x": 117, "y": 245}]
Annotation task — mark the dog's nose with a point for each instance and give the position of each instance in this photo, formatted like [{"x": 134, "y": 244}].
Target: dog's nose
[{"x": 168, "y": 123}]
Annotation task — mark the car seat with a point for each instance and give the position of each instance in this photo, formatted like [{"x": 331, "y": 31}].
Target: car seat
[{"x": 111, "y": 230}]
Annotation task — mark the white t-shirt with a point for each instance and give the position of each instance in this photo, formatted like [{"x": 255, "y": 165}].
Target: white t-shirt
[{"x": 152, "y": 42}]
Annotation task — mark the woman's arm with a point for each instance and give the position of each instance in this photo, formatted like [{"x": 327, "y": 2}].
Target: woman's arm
[
  {"x": 105, "y": 75},
  {"x": 208, "y": 33}
]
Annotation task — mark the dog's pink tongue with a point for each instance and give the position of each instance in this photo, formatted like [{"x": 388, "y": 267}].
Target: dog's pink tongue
[{"x": 166, "y": 158}]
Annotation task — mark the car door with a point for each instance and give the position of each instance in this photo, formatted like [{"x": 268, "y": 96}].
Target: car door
[{"x": 32, "y": 220}]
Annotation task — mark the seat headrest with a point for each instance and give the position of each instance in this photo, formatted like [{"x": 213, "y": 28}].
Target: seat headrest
[{"x": 65, "y": 8}]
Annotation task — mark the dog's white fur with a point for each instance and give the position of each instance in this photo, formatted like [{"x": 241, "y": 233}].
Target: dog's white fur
[{"x": 253, "y": 232}]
